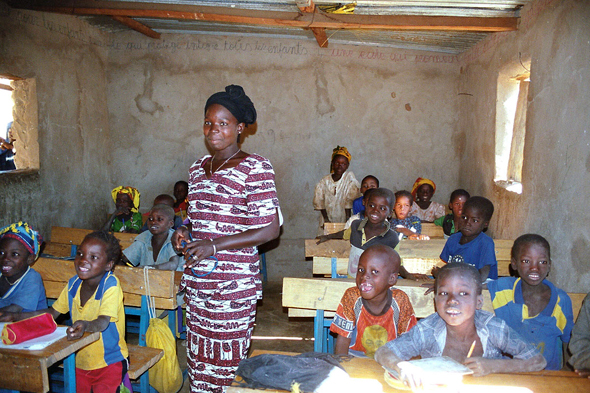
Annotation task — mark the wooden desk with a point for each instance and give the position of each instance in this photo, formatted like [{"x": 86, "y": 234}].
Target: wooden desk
[
  {"x": 419, "y": 255},
  {"x": 539, "y": 382},
  {"x": 27, "y": 370}
]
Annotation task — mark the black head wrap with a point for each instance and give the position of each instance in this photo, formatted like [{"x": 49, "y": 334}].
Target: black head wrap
[{"x": 236, "y": 101}]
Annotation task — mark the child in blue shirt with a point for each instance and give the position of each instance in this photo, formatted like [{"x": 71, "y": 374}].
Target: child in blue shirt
[
  {"x": 531, "y": 304},
  {"x": 154, "y": 247},
  {"x": 462, "y": 331},
  {"x": 471, "y": 245},
  {"x": 21, "y": 287},
  {"x": 368, "y": 182}
]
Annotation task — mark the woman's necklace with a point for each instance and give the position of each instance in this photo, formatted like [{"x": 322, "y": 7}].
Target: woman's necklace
[{"x": 224, "y": 162}]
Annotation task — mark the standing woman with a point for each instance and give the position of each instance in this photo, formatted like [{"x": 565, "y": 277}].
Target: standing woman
[
  {"x": 335, "y": 193},
  {"x": 233, "y": 207}
]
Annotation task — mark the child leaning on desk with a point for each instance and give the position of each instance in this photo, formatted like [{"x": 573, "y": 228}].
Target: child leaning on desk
[
  {"x": 21, "y": 287},
  {"x": 470, "y": 244},
  {"x": 372, "y": 313},
  {"x": 374, "y": 228},
  {"x": 531, "y": 304},
  {"x": 94, "y": 299},
  {"x": 459, "y": 329}
]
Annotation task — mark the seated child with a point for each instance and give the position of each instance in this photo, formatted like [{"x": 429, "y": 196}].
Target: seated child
[
  {"x": 154, "y": 247},
  {"x": 450, "y": 222},
  {"x": 372, "y": 313},
  {"x": 424, "y": 208},
  {"x": 457, "y": 324},
  {"x": 125, "y": 218},
  {"x": 407, "y": 226},
  {"x": 471, "y": 245},
  {"x": 21, "y": 287},
  {"x": 580, "y": 342},
  {"x": 94, "y": 300},
  {"x": 361, "y": 215},
  {"x": 181, "y": 203},
  {"x": 368, "y": 182},
  {"x": 374, "y": 228},
  {"x": 531, "y": 304},
  {"x": 162, "y": 199}
]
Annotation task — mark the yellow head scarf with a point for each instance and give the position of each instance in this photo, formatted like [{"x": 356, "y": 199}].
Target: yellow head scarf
[
  {"x": 132, "y": 192},
  {"x": 420, "y": 181},
  {"x": 341, "y": 150}
]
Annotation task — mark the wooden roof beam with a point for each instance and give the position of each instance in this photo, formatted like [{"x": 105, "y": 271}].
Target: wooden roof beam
[
  {"x": 317, "y": 19},
  {"x": 308, "y": 6},
  {"x": 137, "y": 26}
]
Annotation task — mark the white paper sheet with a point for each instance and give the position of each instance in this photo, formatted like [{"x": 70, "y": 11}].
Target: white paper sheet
[{"x": 36, "y": 343}]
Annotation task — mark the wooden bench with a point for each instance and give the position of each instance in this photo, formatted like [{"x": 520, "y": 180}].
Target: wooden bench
[
  {"x": 419, "y": 256},
  {"x": 141, "y": 359},
  {"x": 319, "y": 298},
  {"x": 65, "y": 241},
  {"x": 163, "y": 288},
  {"x": 428, "y": 228}
]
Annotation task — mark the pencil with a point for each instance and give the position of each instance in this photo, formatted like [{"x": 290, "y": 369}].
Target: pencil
[{"x": 471, "y": 349}]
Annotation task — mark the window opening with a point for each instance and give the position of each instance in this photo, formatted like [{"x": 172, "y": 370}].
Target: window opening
[
  {"x": 511, "y": 112},
  {"x": 6, "y": 121},
  {"x": 18, "y": 104}
]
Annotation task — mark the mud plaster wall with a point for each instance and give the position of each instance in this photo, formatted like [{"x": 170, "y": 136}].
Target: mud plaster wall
[
  {"x": 556, "y": 169},
  {"x": 308, "y": 100},
  {"x": 67, "y": 62}
]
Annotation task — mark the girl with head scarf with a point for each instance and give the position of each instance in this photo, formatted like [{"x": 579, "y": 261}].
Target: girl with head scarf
[
  {"x": 21, "y": 287},
  {"x": 425, "y": 209},
  {"x": 126, "y": 217},
  {"x": 232, "y": 208},
  {"x": 335, "y": 193}
]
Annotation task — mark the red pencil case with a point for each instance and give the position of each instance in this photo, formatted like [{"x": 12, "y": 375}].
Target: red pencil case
[{"x": 28, "y": 329}]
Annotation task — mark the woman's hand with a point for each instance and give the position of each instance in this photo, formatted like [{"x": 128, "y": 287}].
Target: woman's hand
[
  {"x": 584, "y": 373},
  {"x": 181, "y": 234},
  {"x": 196, "y": 251}
]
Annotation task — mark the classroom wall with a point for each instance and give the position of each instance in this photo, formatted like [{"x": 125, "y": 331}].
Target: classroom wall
[
  {"x": 396, "y": 111},
  {"x": 62, "y": 57},
  {"x": 555, "y": 36}
]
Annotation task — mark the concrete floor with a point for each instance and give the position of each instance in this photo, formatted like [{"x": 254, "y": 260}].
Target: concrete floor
[{"x": 273, "y": 330}]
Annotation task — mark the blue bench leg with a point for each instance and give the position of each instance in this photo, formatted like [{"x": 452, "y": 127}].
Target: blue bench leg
[
  {"x": 318, "y": 330},
  {"x": 263, "y": 267},
  {"x": 70, "y": 374},
  {"x": 144, "y": 321},
  {"x": 335, "y": 274}
]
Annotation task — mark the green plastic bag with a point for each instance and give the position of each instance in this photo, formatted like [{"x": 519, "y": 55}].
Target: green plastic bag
[{"x": 165, "y": 376}]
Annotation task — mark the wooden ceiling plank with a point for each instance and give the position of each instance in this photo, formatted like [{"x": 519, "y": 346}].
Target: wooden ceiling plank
[
  {"x": 315, "y": 20},
  {"x": 320, "y": 36},
  {"x": 137, "y": 26}
]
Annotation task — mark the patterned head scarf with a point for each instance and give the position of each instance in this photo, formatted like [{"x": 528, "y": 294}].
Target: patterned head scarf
[
  {"x": 132, "y": 192},
  {"x": 420, "y": 181},
  {"x": 340, "y": 151},
  {"x": 22, "y": 232},
  {"x": 235, "y": 100}
]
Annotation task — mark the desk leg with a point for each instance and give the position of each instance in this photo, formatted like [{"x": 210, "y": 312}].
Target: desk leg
[{"x": 70, "y": 374}]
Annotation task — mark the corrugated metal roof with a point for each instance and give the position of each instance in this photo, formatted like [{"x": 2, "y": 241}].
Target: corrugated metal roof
[{"x": 439, "y": 41}]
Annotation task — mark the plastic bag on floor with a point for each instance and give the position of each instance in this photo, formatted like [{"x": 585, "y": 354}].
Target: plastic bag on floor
[{"x": 165, "y": 376}]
